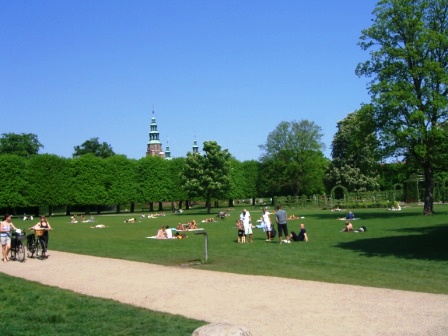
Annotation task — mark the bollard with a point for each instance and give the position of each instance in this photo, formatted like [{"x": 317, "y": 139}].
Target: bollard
[{"x": 205, "y": 242}]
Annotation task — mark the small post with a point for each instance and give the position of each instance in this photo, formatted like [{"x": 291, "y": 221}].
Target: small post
[{"x": 205, "y": 242}]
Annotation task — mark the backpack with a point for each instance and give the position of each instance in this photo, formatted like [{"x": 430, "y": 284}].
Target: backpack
[{"x": 273, "y": 232}]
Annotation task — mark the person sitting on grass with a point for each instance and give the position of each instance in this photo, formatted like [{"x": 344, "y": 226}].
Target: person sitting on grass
[
  {"x": 161, "y": 233},
  {"x": 350, "y": 216},
  {"x": 302, "y": 236},
  {"x": 348, "y": 227},
  {"x": 192, "y": 225},
  {"x": 130, "y": 220},
  {"x": 168, "y": 232}
]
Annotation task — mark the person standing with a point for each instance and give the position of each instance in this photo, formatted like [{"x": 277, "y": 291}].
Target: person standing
[
  {"x": 280, "y": 219},
  {"x": 43, "y": 224},
  {"x": 302, "y": 236},
  {"x": 247, "y": 223},
  {"x": 267, "y": 226},
  {"x": 5, "y": 236}
]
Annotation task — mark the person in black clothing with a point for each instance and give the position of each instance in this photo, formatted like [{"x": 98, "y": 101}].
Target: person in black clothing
[
  {"x": 302, "y": 236},
  {"x": 42, "y": 225}
]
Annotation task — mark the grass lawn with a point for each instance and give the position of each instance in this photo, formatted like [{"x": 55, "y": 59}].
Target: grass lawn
[{"x": 401, "y": 250}]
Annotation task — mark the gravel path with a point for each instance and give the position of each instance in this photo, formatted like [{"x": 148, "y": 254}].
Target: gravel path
[{"x": 264, "y": 305}]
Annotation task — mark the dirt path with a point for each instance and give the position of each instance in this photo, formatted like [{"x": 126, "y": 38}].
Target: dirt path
[{"x": 300, "y": 308}]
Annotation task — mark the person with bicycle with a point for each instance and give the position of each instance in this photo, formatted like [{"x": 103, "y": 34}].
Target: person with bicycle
[
  {"x": 44, "y": 225},
  {"x": 5, "y": 236}
]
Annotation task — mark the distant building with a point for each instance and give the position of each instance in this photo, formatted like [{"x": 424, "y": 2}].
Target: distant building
[
  {"x": 154, "y": 145},
  {"x": 168, "y": 153},
  {"x": 195, "y": 147}
]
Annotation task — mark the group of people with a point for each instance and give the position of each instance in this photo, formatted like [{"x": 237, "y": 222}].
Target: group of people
[
  {"x": 5, "y": 234},
  {"x": 189, "y": 226},
  {"x": 74, "y": 219},
  {"x": 165, "y": 232},
  {"x": 244, "y": 226}
]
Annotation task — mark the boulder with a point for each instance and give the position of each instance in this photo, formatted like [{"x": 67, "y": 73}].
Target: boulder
[{"x": 221, "y": 329}]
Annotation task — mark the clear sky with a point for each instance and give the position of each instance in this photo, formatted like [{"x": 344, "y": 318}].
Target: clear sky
[{"x": 223, "y": 70}]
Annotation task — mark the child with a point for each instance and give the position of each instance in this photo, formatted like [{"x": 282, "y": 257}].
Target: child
[{"x": 240, "y": 228}]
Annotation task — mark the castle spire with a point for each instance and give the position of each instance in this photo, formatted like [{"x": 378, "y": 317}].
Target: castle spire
[{"x": 154, "y": 147}]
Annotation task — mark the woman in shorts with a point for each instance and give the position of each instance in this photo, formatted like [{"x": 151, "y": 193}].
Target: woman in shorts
[{"x": 5, "y": 236}]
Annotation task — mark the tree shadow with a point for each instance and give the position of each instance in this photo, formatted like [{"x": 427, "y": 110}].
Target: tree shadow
[
  {"x": 365, "y": 214},
  {"x": 428, "y": 243}
]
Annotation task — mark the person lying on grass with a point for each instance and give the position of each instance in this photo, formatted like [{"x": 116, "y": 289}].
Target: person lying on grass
[{"x": 348, "y": 227}]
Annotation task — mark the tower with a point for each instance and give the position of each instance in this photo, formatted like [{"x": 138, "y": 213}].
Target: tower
[
  {"x": 195, "y": 147},
  {"x": 167, "y": 152},
  {"x": 154, "y": 145}
]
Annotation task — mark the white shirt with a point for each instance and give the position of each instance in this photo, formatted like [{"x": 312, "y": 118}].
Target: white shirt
[{"x": 245, "y": 218}]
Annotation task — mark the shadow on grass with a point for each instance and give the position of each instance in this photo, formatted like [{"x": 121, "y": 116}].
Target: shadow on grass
[
  {"x": 366, "y": 215},
  {"x": 429, "y": 243}
]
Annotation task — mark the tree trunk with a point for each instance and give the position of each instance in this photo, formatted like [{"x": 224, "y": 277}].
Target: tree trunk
[
  {"x": 428, "y": 207},
  {"x": 118, "y": 208},
  {"x": 209, "y": 205},
  {"x": 132, "y": 207},
  {"x": 151, "y": 206},
  {"x": 230, "y": 202},
  {"x": 160, "y": 206}
]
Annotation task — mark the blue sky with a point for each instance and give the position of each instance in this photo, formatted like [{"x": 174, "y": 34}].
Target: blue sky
[{"x": 223, "y": 70}]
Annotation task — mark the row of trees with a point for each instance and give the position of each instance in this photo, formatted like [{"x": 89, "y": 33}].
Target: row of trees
[{"x": 49, "y": 180}]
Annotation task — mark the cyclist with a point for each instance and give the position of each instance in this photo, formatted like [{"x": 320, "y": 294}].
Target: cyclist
[
  {"x": 5, "y": 236},
  {"x": 43, "y": 224}
]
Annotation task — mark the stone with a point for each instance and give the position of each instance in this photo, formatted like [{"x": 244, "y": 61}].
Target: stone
[{"x": 221, "y": 329}]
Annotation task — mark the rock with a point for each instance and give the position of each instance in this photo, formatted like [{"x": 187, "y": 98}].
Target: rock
[{"x": 221, "y": 329}]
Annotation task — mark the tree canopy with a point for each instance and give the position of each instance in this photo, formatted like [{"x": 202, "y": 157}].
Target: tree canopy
[
  {"x": 25, "y": 144},
  {"x": 93, "y": 146},
  {"x": 355, "y": 152},
  {"x": 292, "y": 161},
  {"x": 207, "y": 175},
  {"x": 408, "y": 43}
]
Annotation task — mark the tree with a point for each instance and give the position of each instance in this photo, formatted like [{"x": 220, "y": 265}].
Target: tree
[
  {"x": 207, "y": 175},
  {"x": 120, "y": 180},
  {"x": 93, "y": 146},
  {"x": 25, "y": 144},
  {"x": 88, "y": 181},
  {"x": 153, "y": 180},
  {"x": 48, "y": 179},
  {"x": 409, "y": 70},
  {"x": 292, "y": 161},
  {"x": 13, "y": 190},
  {"x": 355, "y": 153}
]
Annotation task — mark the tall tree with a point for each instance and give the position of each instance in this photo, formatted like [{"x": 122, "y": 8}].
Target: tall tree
[
  {"x": 408, "y": 43},
  {"x": 292, "y": 161},
  {"x": 88, "y": 185},
  {"x": 120, "y": 180},
  {"x": 48, "y": 180},
  {"x": 25, "y": 144},
  {"x": 93, "y": 146},
  {"x": 207, "y": 175},
  {"x": 13, "y": 186},
  {"x": 355, "y": 153}
]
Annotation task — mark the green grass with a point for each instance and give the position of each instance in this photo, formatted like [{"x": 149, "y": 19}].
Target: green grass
[
  {"x": 401, "y": 250},
  {"x": 32, "y": 309}
]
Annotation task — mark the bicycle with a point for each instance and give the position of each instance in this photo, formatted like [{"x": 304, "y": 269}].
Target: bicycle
[
  {"x": 18, "y": 249},
  {"x": 36, "y": 244}
]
